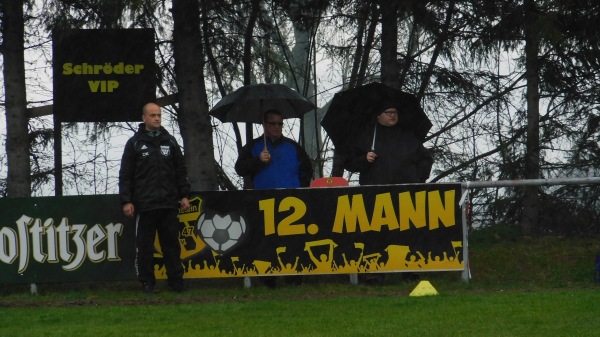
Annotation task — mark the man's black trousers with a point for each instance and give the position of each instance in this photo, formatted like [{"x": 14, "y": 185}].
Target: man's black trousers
[{"x": 165, "y": 222}]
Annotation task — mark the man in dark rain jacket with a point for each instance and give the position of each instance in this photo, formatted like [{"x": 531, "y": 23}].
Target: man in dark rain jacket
[
  {"x": 152, "y": 185},
  {"x": 387, "y": 153}
]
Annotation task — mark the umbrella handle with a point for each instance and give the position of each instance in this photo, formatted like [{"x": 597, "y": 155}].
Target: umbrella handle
[
  {"x": 266, "y": 150},
  {"x": 264, "y": 133},
  {"x": 265, "y": 143},
  {"x": 374, "y": 136}
]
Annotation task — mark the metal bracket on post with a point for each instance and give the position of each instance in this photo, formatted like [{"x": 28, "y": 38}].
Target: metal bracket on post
[{"x": 33, "y": 289}]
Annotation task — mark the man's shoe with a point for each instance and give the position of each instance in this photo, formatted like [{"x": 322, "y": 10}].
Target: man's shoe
[
  {"x": 148, "y": 288},
  {"x": 177, "y": 287},
  {"x": 374, "y": 279},
  {"x": 295, "y": 280},
  {"x": 269, "y": 281},
  {"x": 411, "y": 277}
]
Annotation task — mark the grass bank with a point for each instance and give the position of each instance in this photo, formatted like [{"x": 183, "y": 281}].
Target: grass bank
[{"x": 519, "y": 287}]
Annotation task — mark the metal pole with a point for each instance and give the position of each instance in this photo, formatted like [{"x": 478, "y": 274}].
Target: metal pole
[
  {"x": 531, "y": 182},
  {"x": 464, "y": 204}
]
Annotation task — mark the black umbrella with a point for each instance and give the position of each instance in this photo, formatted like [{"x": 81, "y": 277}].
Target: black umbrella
[
  {"x": 248, "y": 103},
  {"x": 352, "y": 110}
]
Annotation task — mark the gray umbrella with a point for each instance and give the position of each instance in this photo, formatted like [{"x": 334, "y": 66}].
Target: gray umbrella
[{"x": 248, "y": 103}]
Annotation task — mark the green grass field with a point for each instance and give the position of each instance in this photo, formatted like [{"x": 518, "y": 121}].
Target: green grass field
[{"x": 535, "y": 287}]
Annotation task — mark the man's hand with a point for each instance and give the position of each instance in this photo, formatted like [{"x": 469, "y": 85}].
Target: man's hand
[
  {"x": 371, "y": 156},
  {"x": 265, "y": 156},
  {"x": 128, "y": 209}
]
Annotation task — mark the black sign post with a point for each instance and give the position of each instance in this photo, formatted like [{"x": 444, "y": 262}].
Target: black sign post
[
  {"x": 103, "y": 75},
  {"x": 100, "y": 75}
]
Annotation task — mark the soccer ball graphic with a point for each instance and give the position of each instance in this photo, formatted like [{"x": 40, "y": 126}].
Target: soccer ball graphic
[{"x": 221, "y": 233}]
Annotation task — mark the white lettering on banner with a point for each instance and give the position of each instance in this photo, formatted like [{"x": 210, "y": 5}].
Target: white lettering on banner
[
  {"x": 47, "y": 243},
  {"x": 8, "y": 245}
]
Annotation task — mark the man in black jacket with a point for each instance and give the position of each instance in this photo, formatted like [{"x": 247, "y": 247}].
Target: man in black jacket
[
  {"x": 152, "y": 185},
  {"x": 389, "y": 153}
]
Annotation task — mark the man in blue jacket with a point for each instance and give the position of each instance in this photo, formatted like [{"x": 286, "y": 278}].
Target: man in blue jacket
[
  {"x": 152, "y": 186},
  {"x": 275, "y": 161}
]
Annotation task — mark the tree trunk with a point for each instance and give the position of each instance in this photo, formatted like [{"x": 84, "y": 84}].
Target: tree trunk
[
  {"x": 17, "y": 144},
  {"x": 193, "y": 118},
  {"x": 247, "y": 61},
  {"x": 389, "y": 44},
  {"x": 360, "y": 64},
  {"x": 439, "y": 44},
  {"x": 300, "y": 65},
  {"x": 529, "y": 219}
]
